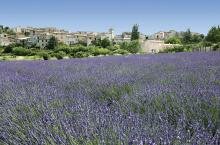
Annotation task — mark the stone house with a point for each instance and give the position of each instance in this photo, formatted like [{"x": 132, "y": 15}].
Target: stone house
[
  {"x": 6, "y": 39},
  {"x": 41, "y": 41}
]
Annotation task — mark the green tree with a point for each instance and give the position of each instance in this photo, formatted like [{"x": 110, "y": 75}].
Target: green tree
[
  {"x": 213, "y": 35},
  {"x": 8, "y": 49},
  {"x": 52, "y": 43},
  {"x": 135, "y": 34},
  {"x": 197, "y": 38},
  {"x": 187, "y": 37},
  {"x": 21, "y": 51},
  {"x": 102, "y": 43},
  {"x": 132, "y": 47},
  {"x": 97, "y": 42},
  {"x": 105, "y": 43},
  {"x": 173, "y": 40}
]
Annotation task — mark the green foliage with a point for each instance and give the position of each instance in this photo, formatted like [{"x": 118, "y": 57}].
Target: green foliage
[
  {"x": 44, "y": 55},
  {"x": 173, "y": 40},
  {"x": 120, "y": 51},
  {"x": 135, "y": 34},
  {"x": 102, "y": 43},
  {"x": 96, "y": 42},
  {"x": 60, "y": 55},
  {"x": 216, "y": 47},
  {"x": 20, "y": 51},
  {"x": 1, "y": 49},
  {"x": 65, "y": 48},
  {"x": 105, "y": 43},
  {"x": 99, "y": 51},
  {"x": 52, "y": 44},
  {"x": 8, "y": 49},
  {"x": 79, "y": 48},
  {"x": 213, "y": 35},
  {"x": 197, "y": 38},
  {"x": 206, "y": 44},
  {"x": 132, "y": 47},
  {"x": 81, "y": 54},
  {"x": 187, "y": 37},
  {"x": 184, "y": 48},
  {"x": 113, "y": 48}
]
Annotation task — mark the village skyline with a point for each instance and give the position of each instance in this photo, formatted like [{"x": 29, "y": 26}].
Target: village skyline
[{"x": 116, "y": 31}]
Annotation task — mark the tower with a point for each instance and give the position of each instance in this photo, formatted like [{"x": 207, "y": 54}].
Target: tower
[{"x": 111, "y": 34}]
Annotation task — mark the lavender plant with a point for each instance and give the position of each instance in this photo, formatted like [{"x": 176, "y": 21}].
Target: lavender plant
[{"x": 137, "y": 99}]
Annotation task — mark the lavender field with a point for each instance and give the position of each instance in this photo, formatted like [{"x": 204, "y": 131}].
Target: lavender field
[{"x": 139, "y": 99}]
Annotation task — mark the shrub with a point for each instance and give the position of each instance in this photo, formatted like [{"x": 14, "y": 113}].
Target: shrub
[
  {"x": 64, "y": 49},
  {"x": 120, "y": 51},
  {"x": 105, "y": 43},
  {"x": 102, "y": 43},
  {"x": 81, "y": 54},
  {"x": 184, "y": 48},
  {"x": 100, "y": 51},
  {"x": 79, "y": 48},
  {"x": 8, "y": 49},
  {"x": 173, "y": 40},
  {"x": 44, "y": 55},
  {"x": 20, "y": 51},
  {"x": 132, "y": 47},
  {"x": 113, "y": 48},
  {"x": 60, "y": 55},
  {"x": 1, "y": 49},
  {"x": 216, "y": 47}
]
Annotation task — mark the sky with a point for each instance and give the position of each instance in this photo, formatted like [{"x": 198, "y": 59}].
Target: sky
[{"x": 100, "y": 15}]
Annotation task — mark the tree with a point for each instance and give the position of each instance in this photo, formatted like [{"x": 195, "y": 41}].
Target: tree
[
  {"x": 8, "y": 49},
  {"x": 213, "y": 35},
  {"x": 197, "y": 38},
  {"x": 173, "y": 40},
  {"x": 132, "y": 47},
  {"x": 135, "y": 34},
  {"x": 102, "y": 43},
  {"x": 105, "y": 43},
  {"x": 187, "y": 37},
  {"x": 97, "y": 42},
  {"x": 52, "y": 43}
]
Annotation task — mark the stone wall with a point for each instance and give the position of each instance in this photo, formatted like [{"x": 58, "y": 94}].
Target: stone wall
[{"x": 154, "y": 46}]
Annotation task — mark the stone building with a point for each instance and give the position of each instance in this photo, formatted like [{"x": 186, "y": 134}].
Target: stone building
[
  {"x": 6, "y": 39},
  {"x": 41, "y": 41},
  {"x": 162, "y": 35}
]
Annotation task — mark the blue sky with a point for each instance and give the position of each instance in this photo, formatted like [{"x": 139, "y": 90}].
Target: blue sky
[{"x": 99, "y": 15}]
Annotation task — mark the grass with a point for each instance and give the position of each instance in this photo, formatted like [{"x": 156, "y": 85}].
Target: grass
[{"x": 15, "y": 58}]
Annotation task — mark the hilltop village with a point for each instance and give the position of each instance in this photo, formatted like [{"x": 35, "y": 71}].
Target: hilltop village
[
  {"x": 40, "y": 36},
  {"x": 59, "y": 43}
]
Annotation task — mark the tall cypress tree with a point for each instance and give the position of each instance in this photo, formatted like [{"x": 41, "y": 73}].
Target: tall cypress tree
[{"x": 135, "y": 33}]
